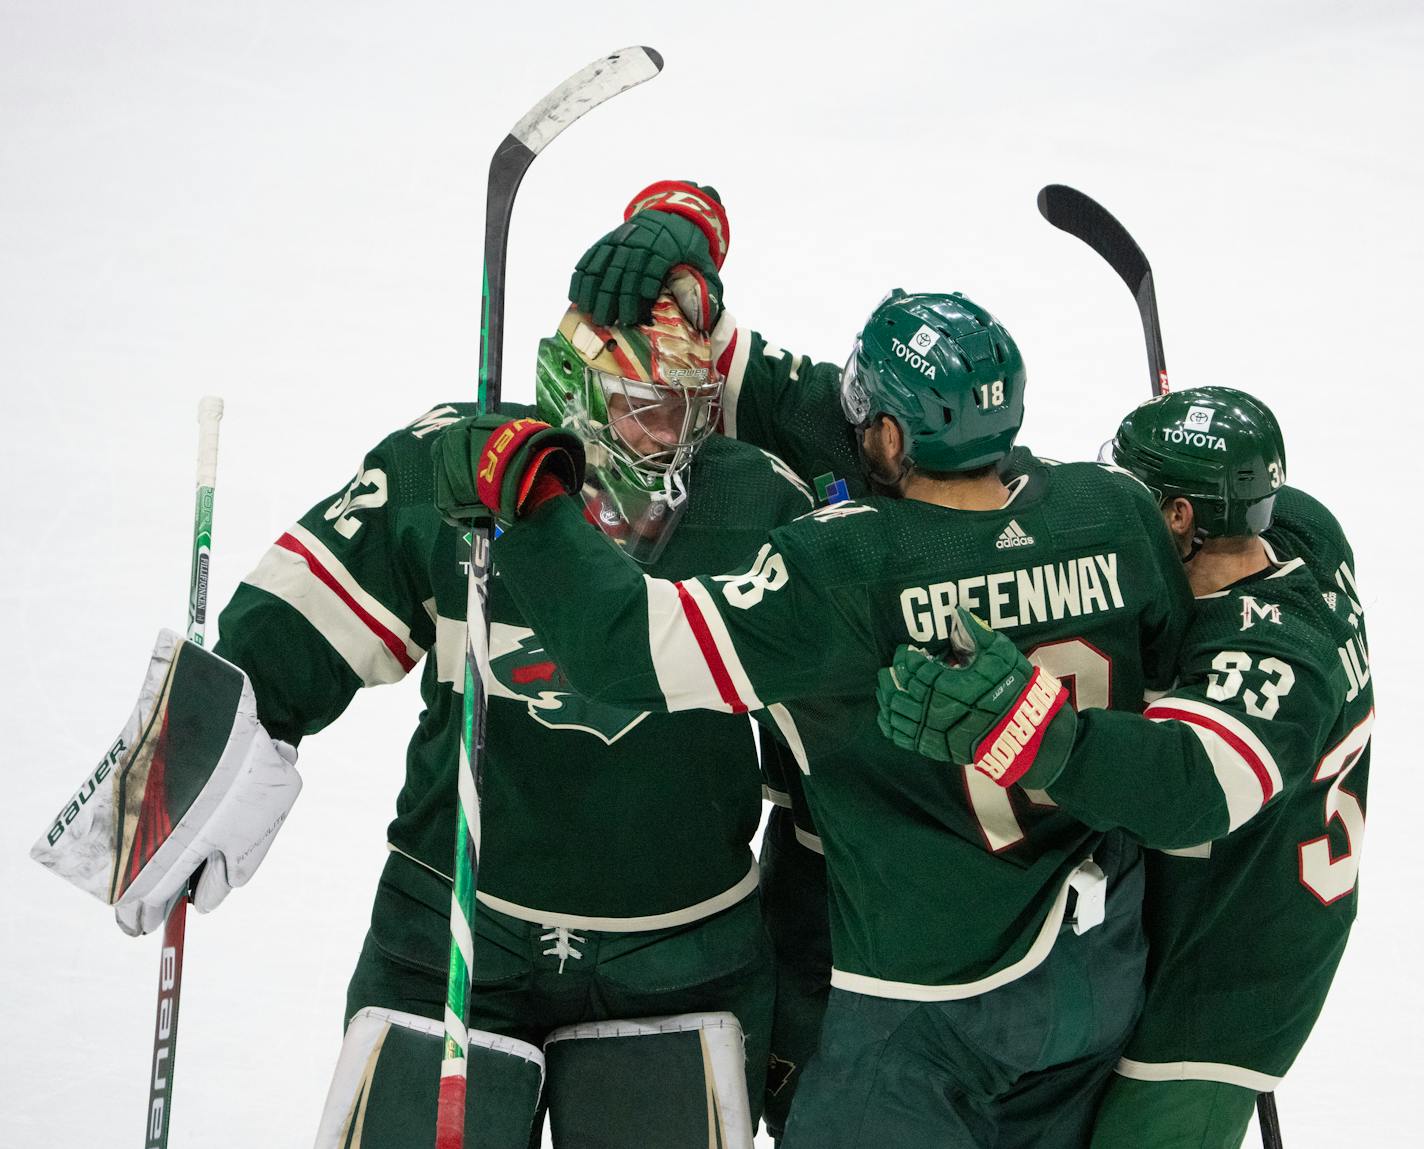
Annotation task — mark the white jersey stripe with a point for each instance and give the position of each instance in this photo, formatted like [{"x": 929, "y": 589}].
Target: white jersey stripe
[
  {"x": 1245, "y": 771},
  {"x": 776, "y": 797},
  {"x": 723, "y": 642},
  {"x": 368, "y": 602},
  {"x": 914, "y": 991},
  {"x": 811, "y": 841},
  {"x": 1197, "y": 1071},
  {"x": 693, "y": 913},
  {"x": 730, "y": 347},
  {"x": 683, "y": 674},
  {"x": 787, "y": 725},
  {"x": 286, "y": 575}
]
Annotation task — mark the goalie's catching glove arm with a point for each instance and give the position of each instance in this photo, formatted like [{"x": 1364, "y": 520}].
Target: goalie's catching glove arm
[
  {"x": 1191, "y": 769},
  {"x": 193, "y": 781},
  {"x": 668, "y": 224},
  {"x": 338, "y": 602}
]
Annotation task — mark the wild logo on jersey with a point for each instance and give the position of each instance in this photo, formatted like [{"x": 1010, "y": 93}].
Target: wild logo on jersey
[{"x": 523, "y": 669}]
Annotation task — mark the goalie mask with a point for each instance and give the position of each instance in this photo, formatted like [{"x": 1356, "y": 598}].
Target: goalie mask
[{"x": 643, "y": 399}]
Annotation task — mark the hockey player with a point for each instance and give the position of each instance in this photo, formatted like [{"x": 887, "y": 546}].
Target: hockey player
[
  {"x": 787, "y": 405},
  {"x": 987, "y": 951},
  {"x": 1250, "y": 775},
  {"x": 616, "y": 878}
]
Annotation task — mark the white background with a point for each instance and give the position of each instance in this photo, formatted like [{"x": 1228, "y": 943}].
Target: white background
[{"x": 281, "y": 203}]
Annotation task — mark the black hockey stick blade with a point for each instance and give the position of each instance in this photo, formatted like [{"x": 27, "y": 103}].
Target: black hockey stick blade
[
  {"x": 606, "y": 77},
  {"x": 1070, "y": 210}
]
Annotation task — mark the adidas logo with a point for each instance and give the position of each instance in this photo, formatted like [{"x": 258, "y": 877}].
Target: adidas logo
[{"x": 1013, "y": 535}]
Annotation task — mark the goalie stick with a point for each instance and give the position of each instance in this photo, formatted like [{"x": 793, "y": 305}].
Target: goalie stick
[
  {"x": 581, "y": 92},
  {"x": 1070, "y": 210},
  {"x": 170, "y": 968}
]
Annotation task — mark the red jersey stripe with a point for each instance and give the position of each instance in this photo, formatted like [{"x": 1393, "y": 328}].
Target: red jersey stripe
[
  {"x": 392, "y": 643},
  {"x": 1238, "y": 744},
  {"x": 710, "y": 654}
]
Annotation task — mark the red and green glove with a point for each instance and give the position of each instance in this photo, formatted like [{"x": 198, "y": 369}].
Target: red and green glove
[
  {"x": 491, "y": 467},
  {"x": 668, "y": 224},
  {"x": 990, "y": 708}
]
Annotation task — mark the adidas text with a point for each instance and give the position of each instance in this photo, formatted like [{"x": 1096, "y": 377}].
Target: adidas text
[{"x": 1013, "y": 535}]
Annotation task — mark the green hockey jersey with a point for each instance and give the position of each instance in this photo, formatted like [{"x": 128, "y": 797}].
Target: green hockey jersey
[
  {"x": 788, "y": 405},
  {"x": 942, "y": 884},
  {"x": 1252, "y": 775},
  {"x": 594, "y": 815}
]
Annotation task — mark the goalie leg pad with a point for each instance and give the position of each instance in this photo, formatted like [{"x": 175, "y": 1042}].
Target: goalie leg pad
[
  {"x": 675, "y": 1082},
  {"x": 383, "y": 1093}
]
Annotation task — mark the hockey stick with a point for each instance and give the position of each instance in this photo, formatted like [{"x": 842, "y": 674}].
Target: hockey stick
[
  {"x": 581, "y": 92},
  {"x": 170, "y": 968},
  {"x": 1070, "y": 210}
]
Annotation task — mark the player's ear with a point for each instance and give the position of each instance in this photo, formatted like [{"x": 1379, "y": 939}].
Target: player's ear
[
  {"x": 1181, "y": 521},
  {"x": 891, "y": 438}
]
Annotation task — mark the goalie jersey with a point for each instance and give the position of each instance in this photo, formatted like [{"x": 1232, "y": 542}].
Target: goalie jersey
[
  {"x": 1263, "y": 746},
  {"x": 942, "y": 884},
  {"x": 594, "y": 815}
]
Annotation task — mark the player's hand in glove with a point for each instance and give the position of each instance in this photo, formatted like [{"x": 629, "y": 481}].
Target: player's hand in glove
[
  {"x": 192, "y": 783},
  {"x": 668, "y": 224},
  {"x": 990, "y": 707},
  {"x": 490, "y": 466}
]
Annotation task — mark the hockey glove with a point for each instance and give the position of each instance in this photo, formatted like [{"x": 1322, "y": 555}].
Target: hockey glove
[
  {"x": 492, "y": 467},
  {"x": 990, "y": 708},
  {"x": 193, "y": 781},
  {"x": 668, "y": 224}
]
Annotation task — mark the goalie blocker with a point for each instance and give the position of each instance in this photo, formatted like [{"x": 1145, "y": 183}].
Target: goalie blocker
[{"x": 192, "y": 781}]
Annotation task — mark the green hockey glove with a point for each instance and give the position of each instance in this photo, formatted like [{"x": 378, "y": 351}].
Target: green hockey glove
[
  {"x": 668, "y": 224},
  {"x": 456, "y": 450},
  {"x": 490, "y": 465},
  {"x": 991, "y": 708}
]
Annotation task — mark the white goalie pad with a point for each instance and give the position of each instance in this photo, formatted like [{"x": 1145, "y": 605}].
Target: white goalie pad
[
  {"x": 193, "y": 779},
  {"x": 676, "y": 1082},
  {"x": 383, "y": 1094}
]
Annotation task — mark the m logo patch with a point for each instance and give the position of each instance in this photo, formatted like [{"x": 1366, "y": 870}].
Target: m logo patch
[{"x": 1253, "y": 612}]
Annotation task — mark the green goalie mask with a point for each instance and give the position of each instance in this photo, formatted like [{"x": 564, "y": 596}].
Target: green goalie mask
[
  {"x": 1218, "y": 448},
  {"x": 643, "y": 399},
  {"x": 945, "y": 370}
]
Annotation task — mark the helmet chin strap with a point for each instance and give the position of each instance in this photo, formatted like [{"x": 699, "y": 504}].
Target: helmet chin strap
[{"x": 1198, "y": 539}]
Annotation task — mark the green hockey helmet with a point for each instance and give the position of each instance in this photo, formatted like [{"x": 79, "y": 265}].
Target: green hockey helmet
[
  {"x": 1218, "y": 448},
  {"x": 946, "y": 371}
]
